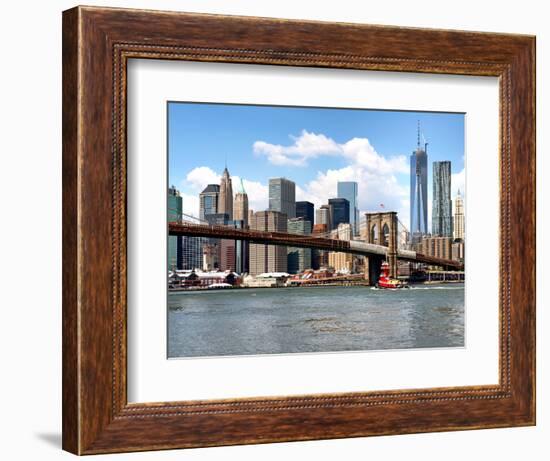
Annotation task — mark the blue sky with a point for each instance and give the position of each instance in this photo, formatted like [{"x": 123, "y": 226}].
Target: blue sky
[{"x": 314, "y": 147}]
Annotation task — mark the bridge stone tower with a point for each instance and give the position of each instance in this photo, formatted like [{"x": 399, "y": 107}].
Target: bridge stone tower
[{"x": 381, "y": 229}]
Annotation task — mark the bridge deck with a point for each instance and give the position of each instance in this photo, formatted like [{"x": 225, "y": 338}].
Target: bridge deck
[{"x": 302, "y": 241}]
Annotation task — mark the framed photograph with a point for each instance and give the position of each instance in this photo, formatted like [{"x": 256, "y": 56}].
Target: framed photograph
[{"x": 282, "y": 230}]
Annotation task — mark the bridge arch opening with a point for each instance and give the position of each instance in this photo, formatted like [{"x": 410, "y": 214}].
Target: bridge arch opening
[
  {"x": 385, "y": 235},
  {"x": 374, "y": 233}
]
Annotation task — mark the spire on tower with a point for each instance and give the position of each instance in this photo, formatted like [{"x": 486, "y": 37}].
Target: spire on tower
[
  {"x": 242, "y": 187},
  {"x": 418, "y": 134}
]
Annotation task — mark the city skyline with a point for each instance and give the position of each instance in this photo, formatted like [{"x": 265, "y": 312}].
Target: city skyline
[{"x": 316, "y": 160}]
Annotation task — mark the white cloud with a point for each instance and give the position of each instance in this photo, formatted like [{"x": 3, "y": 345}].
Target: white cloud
[
  {"x": 306, "y": 146},
  {"x": 357, "y": 151},
  {"x": 360, "y": 152},
  {"x": 190, "y": 204},
  {"x": 198, "y": 178},
  {"x": 375, "y": 189},
  {"x": 375, "y": 174}
]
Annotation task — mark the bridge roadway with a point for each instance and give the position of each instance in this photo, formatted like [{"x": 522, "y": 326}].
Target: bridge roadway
[{"x": 304, "y": 241}]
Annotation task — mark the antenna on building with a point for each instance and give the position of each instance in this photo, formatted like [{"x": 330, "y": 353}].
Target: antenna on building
[{"x": 418, "y": 134}]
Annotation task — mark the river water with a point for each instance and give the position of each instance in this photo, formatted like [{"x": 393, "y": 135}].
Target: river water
[{"x": 316, "y": 319}]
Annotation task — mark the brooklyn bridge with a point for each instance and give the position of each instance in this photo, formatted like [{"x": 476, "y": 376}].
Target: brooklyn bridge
[{"x": 380, "y": 241}]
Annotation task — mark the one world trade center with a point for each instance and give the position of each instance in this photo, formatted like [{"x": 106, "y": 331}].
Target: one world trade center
[{"x": 419, "y": 191}]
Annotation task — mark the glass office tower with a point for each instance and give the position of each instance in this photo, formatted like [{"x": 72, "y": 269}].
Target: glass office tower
[
  {"x": 442, "y": 221},
  {"x": 339, "y": 211},
  {"x": 349, "y": 191}
]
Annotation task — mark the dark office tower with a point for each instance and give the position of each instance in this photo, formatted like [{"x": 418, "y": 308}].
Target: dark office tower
[
  {"x": 299, "y": 259},
  {"x": 305, "y": 210},
  {"x": 419, "y": 191},
  {"x": 282, "y": 196},
  {"x": 442, "y": 218},
  {"x": 241, "y": 248},
  {"x": 208, "y": 200},
  {"x": 339, "y": 211}
]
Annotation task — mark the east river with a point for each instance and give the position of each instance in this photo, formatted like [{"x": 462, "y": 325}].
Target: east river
[{"x": 316, "y": 319}]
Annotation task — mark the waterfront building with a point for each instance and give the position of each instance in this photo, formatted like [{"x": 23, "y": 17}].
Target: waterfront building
[
  {"x": 419, "y": 191},
  {"x": 437, "y": 247},
  {"x": 240, "y": 206},
  {"x": 225, "y": 204},
  {"x": 197, "y": 279},
  {"x": 341, "y": 262},
  {"x": 266, "y": 280},
  {"x": 458, "y": 220},
  {"x": 349, "y": 191},
  {"x": 339, "y": 211},
  {"x": 282, "y": 196},
  {"x": 442, "y": 220},
  {"x": 208, "y": 200},
  {"x": 267, "y": 258},
  {"x": 322, "y": 216},
  {"x": 299, "y": 259},
  {"x": 175, "y": 248},
  {"x": 305, "y": 210}
]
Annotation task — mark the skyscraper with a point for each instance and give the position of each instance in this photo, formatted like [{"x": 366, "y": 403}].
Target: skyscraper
[
  {"x": 458, "y": 221},
  {"x": 299, "y": 259},
  {"x": 175, "y": 248},
  {"x": 268, "y": 258},
  {"x": 282, "y": 196},
  {"x": 240, "y": 206},
  {"x": 339, "y": 211},
  {"x": 240, "y": 221},
  {"x": 322, "y": 216},
  {"x": 241, "y": 249},
  {"x": 419, "y": 191},
  {"x": 226, "y": 195},
  {"x": 208, "y": 200},
  {"x": 192, "y": 252},
  {"x": 442, "y": 221},
  {"x": 305, "y": 210},
  {"x": 349, "y": 191}
]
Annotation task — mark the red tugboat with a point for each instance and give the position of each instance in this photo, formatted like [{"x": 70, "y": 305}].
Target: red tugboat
[{"x": 385, "y": 281}]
